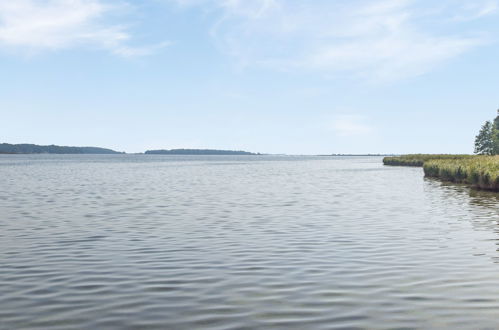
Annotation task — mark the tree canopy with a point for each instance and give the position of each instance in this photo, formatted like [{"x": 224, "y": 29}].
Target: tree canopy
[
  {"x": 52, "y": 149},
  {"x": 487, "y": 140}
]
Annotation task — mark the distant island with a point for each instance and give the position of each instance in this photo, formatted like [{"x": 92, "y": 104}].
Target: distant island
[
  {"x": 197, "y": 152},
  {"x": 6, "y": 148}
]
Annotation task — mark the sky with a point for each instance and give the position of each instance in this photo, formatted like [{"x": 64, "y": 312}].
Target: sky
[{"x": 269, "y": 76}]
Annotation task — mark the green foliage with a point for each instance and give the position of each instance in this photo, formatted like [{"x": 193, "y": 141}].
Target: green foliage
[
  {"x": 52, "y": 149},
  {"x": 479, "y": 171},
  {"x": 484, "y": 141},
  {"x": 487, "y": 140},
  {"x": 495, "y": 135}
]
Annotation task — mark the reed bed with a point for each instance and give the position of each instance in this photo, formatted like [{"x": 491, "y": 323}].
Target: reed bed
[
  {"x": 419, "y": 159},
  {"x": 478, "y": 171}
]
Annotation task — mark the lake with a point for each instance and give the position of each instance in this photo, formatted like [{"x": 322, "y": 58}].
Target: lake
[{"x": 242, "y": 242}]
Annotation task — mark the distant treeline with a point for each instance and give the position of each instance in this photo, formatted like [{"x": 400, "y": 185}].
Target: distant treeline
[
  {"x": 6, "y": 148},
  {"x": 197, "y": 152}
]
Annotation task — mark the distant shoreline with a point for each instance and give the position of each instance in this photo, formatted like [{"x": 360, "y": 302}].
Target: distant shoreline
[
  {"x": 32, "y": 149},
  {"x": 358, "y": 155},
  {"x": 29, "y": 149},
  {"x": 199, "y": 152},
  {"x": 6, "y": 148}
]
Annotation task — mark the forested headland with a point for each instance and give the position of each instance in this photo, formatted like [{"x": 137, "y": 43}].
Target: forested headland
[{"x": 7, "y": 148}]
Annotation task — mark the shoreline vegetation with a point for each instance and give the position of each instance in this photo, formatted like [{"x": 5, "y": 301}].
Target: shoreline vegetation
[
  {"x": 6, "y": 148},
  {"x": 478, "y": 171},
  {"x": 17, "y": 149},
  {"x": 13, "y": 149}
]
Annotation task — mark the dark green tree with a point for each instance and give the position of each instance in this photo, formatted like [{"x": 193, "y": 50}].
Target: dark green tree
[
  {"x": 484, "y": 141},
  {"x": 495, "y": 135}
]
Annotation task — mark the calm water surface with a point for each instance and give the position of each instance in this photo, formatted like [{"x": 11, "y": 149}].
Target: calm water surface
[{"x": 166, "y": 242}]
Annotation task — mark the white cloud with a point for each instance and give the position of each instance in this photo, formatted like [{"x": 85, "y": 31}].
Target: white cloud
[
  {"x": 378, "y": 40},
  {"x": 37, "y": 25},
  {"x": 351, "y": 125},
  {"x": 381, "y": 40}
]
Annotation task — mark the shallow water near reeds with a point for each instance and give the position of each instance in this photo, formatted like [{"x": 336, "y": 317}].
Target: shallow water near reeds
[{"x": 245, "y": 242}]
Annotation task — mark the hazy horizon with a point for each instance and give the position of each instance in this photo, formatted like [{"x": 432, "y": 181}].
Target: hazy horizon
[
  {"x": 268, "y": 76},
  {"x": 256, "y": 153}
]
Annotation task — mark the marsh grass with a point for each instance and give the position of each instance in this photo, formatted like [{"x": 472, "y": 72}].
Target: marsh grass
[
  {"x": 478, "y": 171},
  {"x": 418, "y": 159}
]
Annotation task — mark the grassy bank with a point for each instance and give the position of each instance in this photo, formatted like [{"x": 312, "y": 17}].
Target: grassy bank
[
  {"x": 419, "y": 159},
  {"x": 478, "y": 171}
]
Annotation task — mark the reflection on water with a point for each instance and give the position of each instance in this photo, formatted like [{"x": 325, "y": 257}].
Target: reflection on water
[
  {"x": 478, "y": 207},
  {"x": 184, "y": 242},
  {"x": 484, "y": 198}
]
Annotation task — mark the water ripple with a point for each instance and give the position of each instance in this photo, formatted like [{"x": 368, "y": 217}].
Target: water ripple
[{"x": 136, "y": 242}]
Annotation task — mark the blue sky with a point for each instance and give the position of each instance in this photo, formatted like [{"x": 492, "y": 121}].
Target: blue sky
[{"x": 271, "y": 76}]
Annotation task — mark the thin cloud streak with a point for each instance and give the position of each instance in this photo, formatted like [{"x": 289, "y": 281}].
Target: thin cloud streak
[
  {"x": 34, "y": 26},
  {"x": 384, "y": 41}
]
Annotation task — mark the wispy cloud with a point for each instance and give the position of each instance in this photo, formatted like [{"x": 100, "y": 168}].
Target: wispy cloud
[
  {"x": 38, "y": 25},
  {"x": 246, "y": 8},
  {"x": 382, "y": 40}
]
